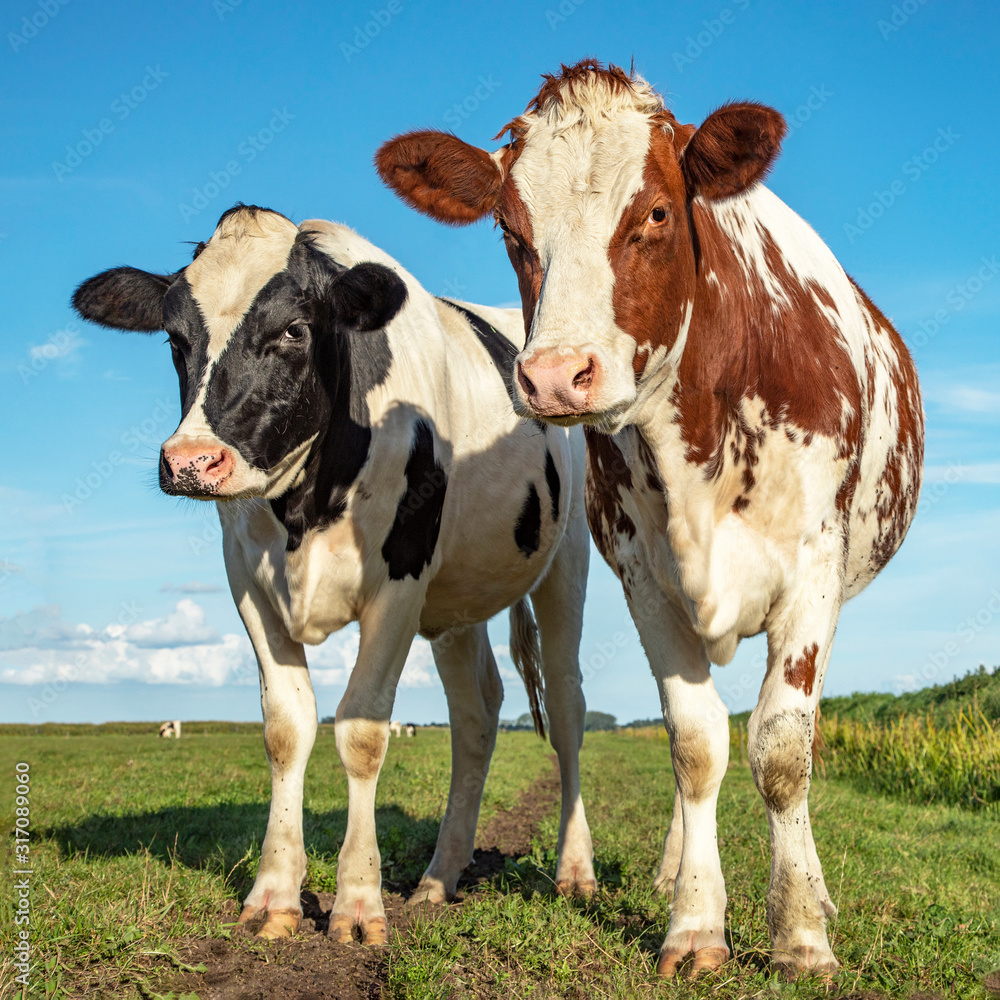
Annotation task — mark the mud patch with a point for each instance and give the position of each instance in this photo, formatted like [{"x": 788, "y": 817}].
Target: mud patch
[{"x": 310, "y": 966}]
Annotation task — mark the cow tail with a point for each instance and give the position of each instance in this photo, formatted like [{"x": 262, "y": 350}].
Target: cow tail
[{"x": 527, "y": 657}]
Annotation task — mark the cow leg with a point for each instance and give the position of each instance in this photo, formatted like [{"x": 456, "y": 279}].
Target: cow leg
[
  {"x": 362, "y": 733},
  {"x": 472, "y": 684},
  {"x": 780, "y": 738},
  {"x": 697, "y": 723},
  {"x": 558, "y": 605},
  {"x": 289, "y": 710},
  {"x": 673, "y": 842}
]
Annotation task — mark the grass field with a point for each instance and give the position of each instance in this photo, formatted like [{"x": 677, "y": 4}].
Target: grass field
[{"x": 142, "y": 848}]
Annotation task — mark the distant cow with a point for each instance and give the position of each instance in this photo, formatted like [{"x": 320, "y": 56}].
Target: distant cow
[
  {"x": 396, "y": 728},
  {"x": 365, "y": 431},
  {"x": 411, "y": 730},
  {"x": 171, "y": 729},
  {"x": 767, "y": 430}
]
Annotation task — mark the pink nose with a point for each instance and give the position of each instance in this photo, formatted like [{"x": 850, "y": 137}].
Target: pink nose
[
  {"x": 196, "y": 466},
  {"x": 558, "y": 386}
]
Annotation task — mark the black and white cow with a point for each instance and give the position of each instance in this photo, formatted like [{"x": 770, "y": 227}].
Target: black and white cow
[{"x": 359, "y": 439}]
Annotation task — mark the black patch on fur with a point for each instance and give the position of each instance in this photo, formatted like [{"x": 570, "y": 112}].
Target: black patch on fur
[
  {"x": 411, "y": 541},
  {"x": 528, "y": 530},
  {"x": 501, "y": 351},
  {"x": 124, "y": 298},
  {"x": 552, "y": 481}
]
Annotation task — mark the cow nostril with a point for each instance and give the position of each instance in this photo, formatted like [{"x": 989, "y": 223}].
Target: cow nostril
[
  {"x": 584, "y": 378},
  {"x": 218, "y": 462},
  {"x": 526, "y": 383}
]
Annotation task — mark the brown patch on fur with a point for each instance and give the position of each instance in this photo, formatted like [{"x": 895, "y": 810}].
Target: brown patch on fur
[
  {"x": 692, "y": 766},
  {"x": 780, "y": 760},
  {"x": 279, "y": 741},
  {"x": 364, "y": 749},
  {"x": 440, "y": 175},
  {"x": 732, "y": 149},
  {"x": 642, "y": 252},
  {"x": 802, "y": 674},
  {"x": 607, "y": 475}
]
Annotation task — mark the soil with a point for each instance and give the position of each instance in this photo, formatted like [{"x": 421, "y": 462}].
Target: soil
[{"x": 310, "y": 966}]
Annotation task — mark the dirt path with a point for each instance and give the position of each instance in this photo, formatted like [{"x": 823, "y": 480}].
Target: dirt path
[{"x": 311, "y": 967}]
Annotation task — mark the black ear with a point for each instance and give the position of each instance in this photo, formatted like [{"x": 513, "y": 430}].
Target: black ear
[
  {"x": 124, "y": 298},
  {"x": 368, "y": 296}
]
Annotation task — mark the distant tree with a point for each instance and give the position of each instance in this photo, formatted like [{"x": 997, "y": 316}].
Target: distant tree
[
  {"x": 328, "y": 720},
  {"x": 593, "y": 721}
]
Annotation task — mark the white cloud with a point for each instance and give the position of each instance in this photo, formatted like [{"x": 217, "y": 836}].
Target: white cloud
[
  {"x": 330, "y": 664},
  {"x": 967, "y": 398},
  {"x": 184, "y": 626},
  {"x": 39, "y": 647},
  {"x": 977, "y": 472}
]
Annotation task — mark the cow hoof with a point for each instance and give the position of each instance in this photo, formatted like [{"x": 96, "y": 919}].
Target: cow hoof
[
  {"x": 664, "y": 884},
  {"x": 804, "y": 961},
  {"x": 374, "y": 930},
  {"x": 429, "y": 891},
  {"x": 705, "y": 960},
  {"x": 280, "y": 924},
  {"x": 570, "y": 887}
]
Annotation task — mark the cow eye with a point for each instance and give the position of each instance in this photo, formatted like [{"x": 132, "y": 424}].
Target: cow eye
[
  {"x": 503, "y": 225},
  {"x": 657, "y": 216},
  {"x": 296, "y": 332}
]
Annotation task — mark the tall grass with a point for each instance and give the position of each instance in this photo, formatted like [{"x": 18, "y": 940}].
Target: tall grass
[{"x": 919, "y": 760}]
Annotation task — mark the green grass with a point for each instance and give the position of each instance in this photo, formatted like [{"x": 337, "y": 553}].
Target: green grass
[
  {"x": 977, "y": 692},
  {"x": 141, "y": 842}
]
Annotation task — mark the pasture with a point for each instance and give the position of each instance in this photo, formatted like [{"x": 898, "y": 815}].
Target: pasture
[{"x": 142, "y": 850}]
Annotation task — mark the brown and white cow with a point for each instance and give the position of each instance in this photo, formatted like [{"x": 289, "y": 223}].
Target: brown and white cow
[{"x": 755, "y": 432}]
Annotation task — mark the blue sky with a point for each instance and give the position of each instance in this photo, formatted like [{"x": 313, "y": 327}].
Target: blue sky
[{"x": 129, "y": 128}]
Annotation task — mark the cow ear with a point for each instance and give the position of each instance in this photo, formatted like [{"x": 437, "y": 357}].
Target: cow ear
[
  {"x": 124, "y": 298},
  {"x": 441, "y": 176},
  {"x": 734, "y": 148},
  {"x": 368, "y": 296}
]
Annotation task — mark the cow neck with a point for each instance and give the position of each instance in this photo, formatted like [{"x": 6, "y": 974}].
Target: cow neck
[{"x": 320, "y": 496}]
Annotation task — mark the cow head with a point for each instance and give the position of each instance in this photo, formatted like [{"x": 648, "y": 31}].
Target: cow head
[
  {"x": 258, "y": 324},
  {"x": 593, "y": 194}
]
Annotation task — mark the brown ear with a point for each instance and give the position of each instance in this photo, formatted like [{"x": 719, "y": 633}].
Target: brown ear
[
  {"x": 440, "y": 175},
  {"x": 733, "y": 149}
]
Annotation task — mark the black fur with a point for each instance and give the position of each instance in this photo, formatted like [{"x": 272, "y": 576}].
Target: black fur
[
  {"x": 124, "y": 298},
  {"x": 528, "y": 530},
  {"x": 411, "y": 541},
  {"x": 552, "y": 481}
]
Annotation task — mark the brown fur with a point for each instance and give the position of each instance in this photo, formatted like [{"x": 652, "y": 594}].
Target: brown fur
[
  {"x": 366, "y": 745},
  {"x": 692, "y": 767},
  {"x": 802, "y": 674},
  {"x": 733, "y": 149},
  {"x": 440, "y": 175}
]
